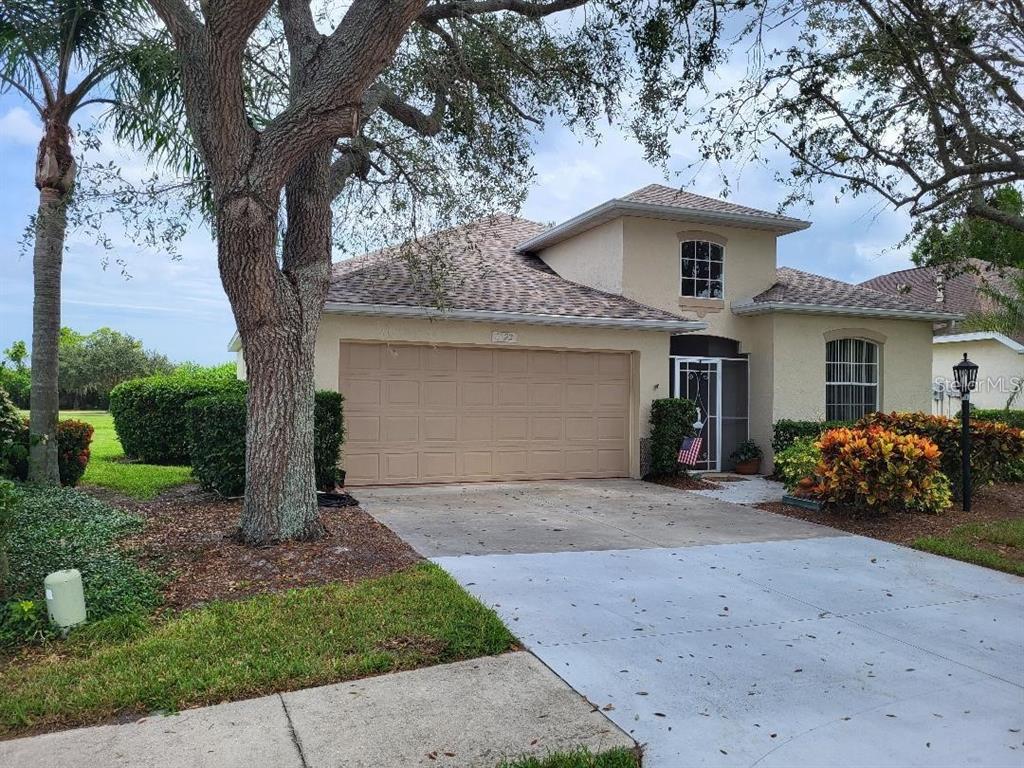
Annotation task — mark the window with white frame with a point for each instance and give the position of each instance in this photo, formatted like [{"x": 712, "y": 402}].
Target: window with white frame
[
  {"x": 701, "y": 274},
  {"x": 851, "y": 379}
]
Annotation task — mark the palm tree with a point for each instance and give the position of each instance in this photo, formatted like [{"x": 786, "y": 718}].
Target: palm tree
[
  {"x": 1004, "y": 314},
  {"x": 60, "y": 55}
]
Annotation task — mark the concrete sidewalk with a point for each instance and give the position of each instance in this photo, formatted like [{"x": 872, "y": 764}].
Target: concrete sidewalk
[{"x": 472, "y": 713}]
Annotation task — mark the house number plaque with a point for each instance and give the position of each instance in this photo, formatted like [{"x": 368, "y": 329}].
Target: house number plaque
[{"x": 504, "y": 337}]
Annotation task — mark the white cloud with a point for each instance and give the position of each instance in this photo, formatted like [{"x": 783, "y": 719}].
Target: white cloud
[{"x": 17, "y": 126}]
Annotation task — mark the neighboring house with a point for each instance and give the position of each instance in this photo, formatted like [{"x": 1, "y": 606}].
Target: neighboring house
[
  {"x": 553, "y": 341},
  {"x": 1000, "y": 357}
]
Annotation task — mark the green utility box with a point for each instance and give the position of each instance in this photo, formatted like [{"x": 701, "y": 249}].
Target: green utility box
[{"x": 65, "y": 601}]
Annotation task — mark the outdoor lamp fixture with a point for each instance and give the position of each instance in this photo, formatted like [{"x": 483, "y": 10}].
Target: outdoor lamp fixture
[{"x": 966, "y": 375}]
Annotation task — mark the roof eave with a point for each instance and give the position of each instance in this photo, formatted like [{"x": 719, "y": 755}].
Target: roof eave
[
  {"x": 616, "y": 207},
  {"x": 764, "y": 307},
  {"x": 235, "y": 344},
  {"x": 526, "y": 318},
  {"x": 1001, "y": 338}
]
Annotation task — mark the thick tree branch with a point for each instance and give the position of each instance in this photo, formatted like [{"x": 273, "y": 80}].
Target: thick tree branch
[{"x": 475, "y": 7}]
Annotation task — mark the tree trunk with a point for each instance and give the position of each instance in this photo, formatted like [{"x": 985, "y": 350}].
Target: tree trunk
[
  {"x": 55, "y": 170},
  {"x": 278, "y": 314}
]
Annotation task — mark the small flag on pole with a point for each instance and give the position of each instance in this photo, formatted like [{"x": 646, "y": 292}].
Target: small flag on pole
[{"x": 689, "y": 451}]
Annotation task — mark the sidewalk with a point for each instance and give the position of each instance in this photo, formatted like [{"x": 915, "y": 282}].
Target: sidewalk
[{"x": 471, "y": 713}]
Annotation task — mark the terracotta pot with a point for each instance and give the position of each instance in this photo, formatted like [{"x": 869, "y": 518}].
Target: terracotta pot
[{"x": 749, "y": 467}]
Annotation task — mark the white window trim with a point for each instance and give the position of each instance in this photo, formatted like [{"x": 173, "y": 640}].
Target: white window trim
[
  {"x": 721, "y": 279},
  {"x": 876, "y": 384}
]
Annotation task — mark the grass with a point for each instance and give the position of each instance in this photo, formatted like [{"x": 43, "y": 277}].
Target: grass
[
  {"x": 998, "y": 545},
  {"x": 107, "y": 466},
  {"x": 580, "y": 758},
  {"x": 234, "y": 650}
]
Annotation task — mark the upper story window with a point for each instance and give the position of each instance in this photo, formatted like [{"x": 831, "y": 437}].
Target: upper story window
[
  {"x": 701, "y": 269},
  {"x": 851, "y": 379}
]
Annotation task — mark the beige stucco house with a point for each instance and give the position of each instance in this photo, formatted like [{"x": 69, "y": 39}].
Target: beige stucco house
[
  {"x": 551, "y": 342},
  {"x": 1000, "y": 358}
]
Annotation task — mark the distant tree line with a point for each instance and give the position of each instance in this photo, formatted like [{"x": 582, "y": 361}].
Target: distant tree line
[{"x": 91, "y": 364}]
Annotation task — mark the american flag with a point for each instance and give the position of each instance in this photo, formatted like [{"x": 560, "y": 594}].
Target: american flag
[{"x": 689, "y": 451}]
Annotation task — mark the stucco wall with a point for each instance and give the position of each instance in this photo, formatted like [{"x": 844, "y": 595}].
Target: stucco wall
[
  {"x": 649, "y": 358},
  {"x": 591, "y": 258},
  {"x": 651, "y": 258},
  {"x": 998, "y": 368},
  {"x": 799, "y": 342}
]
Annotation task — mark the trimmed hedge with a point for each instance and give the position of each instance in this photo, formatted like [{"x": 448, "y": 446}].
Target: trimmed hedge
[
  {"x": 787, "y": 431},
  {"x": 1000, "y": 415},
  {"x": 216, "y": 436},
  {"x": 73, "y": 441},
  {"x": 671, "y": 420},
  {"x": 997, "y": 450},
  {"x": 149, "y": 415}
]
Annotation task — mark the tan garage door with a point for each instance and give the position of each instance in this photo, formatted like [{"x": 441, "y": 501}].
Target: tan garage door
[{"x": 423, "y": 414}]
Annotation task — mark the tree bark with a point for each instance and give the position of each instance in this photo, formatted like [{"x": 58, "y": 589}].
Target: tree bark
[
  {"x": 278, "y": 314},
  {"x": 55, "y": 171}
]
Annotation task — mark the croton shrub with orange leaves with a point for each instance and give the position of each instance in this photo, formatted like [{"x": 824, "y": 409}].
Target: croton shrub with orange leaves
[
  {"x": 997, "y": 449},
  {"x": 879, "y": 469}
]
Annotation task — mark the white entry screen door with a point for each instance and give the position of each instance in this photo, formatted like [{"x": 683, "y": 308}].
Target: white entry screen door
[{"x": 699, "y": 379}]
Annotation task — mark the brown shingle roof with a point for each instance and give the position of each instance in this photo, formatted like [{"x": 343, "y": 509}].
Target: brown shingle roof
[
  {"x": 659, "y": 194},
  {"x": 795, "y": 287},
  {"x": 480, "y": 271},
  {"x": 959, "y": 293}
]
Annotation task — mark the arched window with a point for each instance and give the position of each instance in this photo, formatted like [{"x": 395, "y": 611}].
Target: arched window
[
  {"x": 701, "y": 269},
  {"x": 851, "y": 378}
]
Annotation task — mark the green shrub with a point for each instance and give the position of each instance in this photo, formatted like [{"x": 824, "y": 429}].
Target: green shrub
[
  {"x": 671, "y": 420},
  {"x": 216, "y": 430},
  {"x": 996, "y": 449},
  {"x": 149, "y": 414},
  {"x": 328, "y": 437},
  {"x": 1013, "y": 418},
  {"x": 55, "y": 528},
  {"x": 748, "y": 450},
  {"x": 880, "y": 469},
  {"x": 73, "y": 440},
  {"x": 797, "y": 461},
  {"x": 17, "y": 384},
  {"x": 11, "y": 426},
  {"x": 786, "y": 431},
  {"x": 216, "y": 436}
]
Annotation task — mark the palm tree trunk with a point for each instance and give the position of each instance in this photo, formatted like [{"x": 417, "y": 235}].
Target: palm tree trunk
[{"x": 55, "y": 171}]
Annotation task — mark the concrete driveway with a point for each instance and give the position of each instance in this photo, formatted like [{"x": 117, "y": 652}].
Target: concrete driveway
[{"x": 721, "y": 636}]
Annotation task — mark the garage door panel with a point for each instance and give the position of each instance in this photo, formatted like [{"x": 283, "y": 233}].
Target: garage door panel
[
  {"x": 476, "y": 428},
  {"x": 442, "y": 414},
  {"x": 401, "y": 393},
  {"x": 477, "y": 393},
  {"x": 400, "y": 429},
  {"x": 435, "y": 428},
  {"x": 362, "y": 429}
]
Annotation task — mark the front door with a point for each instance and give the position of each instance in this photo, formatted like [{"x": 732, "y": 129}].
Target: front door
[
  {"x": 699, "y": 379},
  {"x": 718, "y": 387}
]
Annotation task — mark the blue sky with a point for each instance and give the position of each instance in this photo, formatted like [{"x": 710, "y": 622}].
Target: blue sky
[{"x": 178, "y": 307}]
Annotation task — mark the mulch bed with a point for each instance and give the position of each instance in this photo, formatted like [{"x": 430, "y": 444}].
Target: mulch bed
[
  {"x": 683, "y": 482},
  {"x": 189, "y": 536},
  {"x": 994, "y": 502}
]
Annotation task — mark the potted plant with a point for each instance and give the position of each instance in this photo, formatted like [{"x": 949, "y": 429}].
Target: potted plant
[{"x": 747, "y": 458}]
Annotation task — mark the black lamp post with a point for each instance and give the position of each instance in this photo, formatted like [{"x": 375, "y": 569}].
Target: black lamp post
[{"x": 966, "y": 374}]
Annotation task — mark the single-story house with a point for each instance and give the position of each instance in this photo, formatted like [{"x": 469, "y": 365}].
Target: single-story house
[
  {"x": 1000, "y": 357},
  {"x": 520, "y": 351}
]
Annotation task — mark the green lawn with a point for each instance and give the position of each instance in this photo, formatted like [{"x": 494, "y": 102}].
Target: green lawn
[
  {"x": 108, "y": 469},
  {"x": 580, "y": 758},
  {"x": 234, "y": 650},
  {"x": 998, "y": 545}
]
